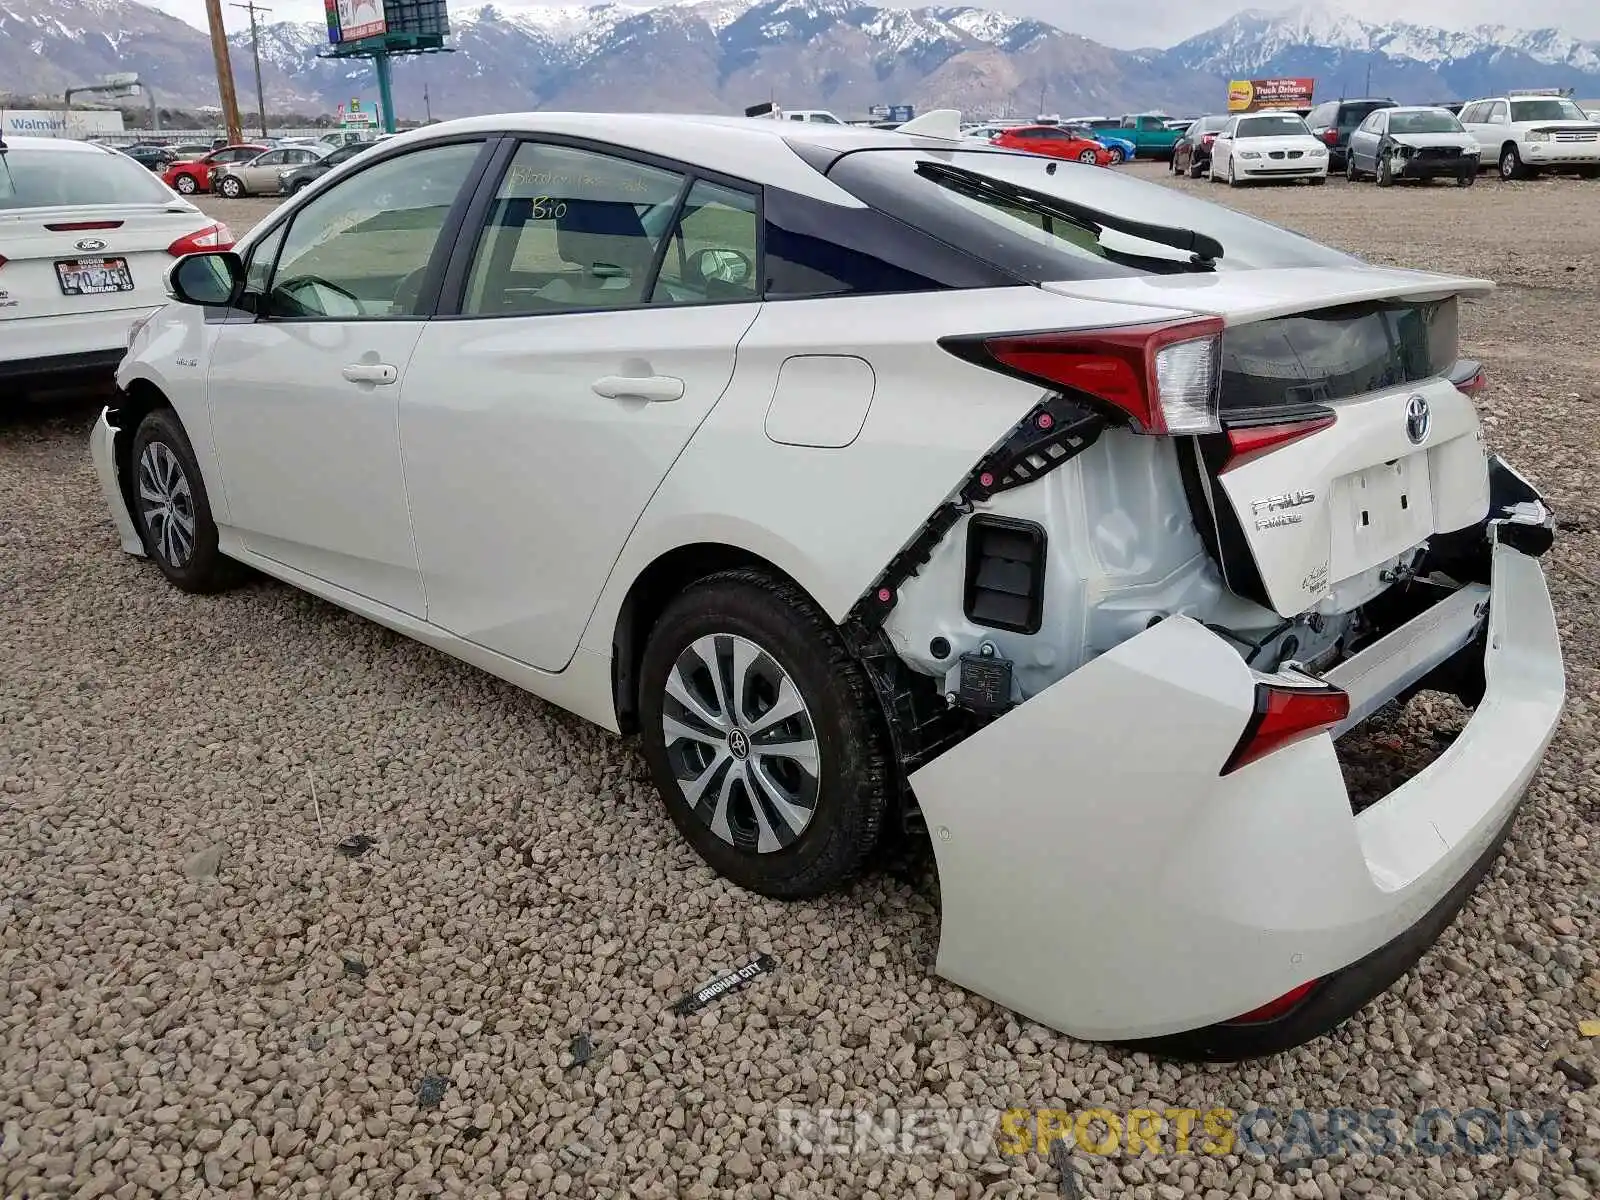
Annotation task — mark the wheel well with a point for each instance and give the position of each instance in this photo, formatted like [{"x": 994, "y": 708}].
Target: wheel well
[
  {"x": 649, "y": 596},
  {"x": 1509, "y": 145},
  {"x": 139, "y": 400}
]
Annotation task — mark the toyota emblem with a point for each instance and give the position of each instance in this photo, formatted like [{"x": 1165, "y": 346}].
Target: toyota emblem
[
  {"x": 91, "y": 244},
  {"x": 1418, "y": 418}
]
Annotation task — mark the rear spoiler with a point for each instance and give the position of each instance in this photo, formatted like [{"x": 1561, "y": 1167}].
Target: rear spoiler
[{"x": 942, "y": 123}]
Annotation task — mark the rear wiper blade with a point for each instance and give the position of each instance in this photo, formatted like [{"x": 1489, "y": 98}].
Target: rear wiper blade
[{"x": 1203, "y": 247}]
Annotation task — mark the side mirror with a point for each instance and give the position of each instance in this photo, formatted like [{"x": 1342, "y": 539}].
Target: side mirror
[
  {"x": 721, "y": 266},
  {"x": 213, "y": 279}
]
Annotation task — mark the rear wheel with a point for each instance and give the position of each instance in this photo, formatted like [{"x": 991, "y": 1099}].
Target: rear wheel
[
  {"x": 231, "y": 187},
  {"x": 1116, "y": 155},
  {"x": 185, "y": 185},
  {"x": 171, "y": 508},
  {"x": 1467, "y": 180},
  {"x": 1194, "y": 169},
  {"x": 763, "y": 736}
]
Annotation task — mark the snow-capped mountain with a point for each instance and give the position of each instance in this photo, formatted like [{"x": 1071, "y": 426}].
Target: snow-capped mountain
[
  {"x": 720, "y": 55},
  {"x": 1416, "y": 62}
]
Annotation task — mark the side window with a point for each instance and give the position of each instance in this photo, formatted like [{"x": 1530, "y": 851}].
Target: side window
[
  {"x": 360, "y": 250},
  {"x": 712, "y": 254},
  {"x": 1498, "y": 111},
  {"x": 263, "y": 255},
  {"x": 1471, "y": 112},
  {"x": 1129, "y": 123},
  {"x": 1154, "y": 123},
  {"x": 570, "y": 229}
]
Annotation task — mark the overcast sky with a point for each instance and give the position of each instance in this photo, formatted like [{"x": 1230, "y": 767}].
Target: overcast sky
[{"x": 1119, "y": 23}]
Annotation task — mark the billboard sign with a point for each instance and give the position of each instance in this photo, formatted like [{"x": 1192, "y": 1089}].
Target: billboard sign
[
  {"x": 901, "y": 112},
  {"x": 352, "y": 20},
  {"x": 1255, "y": 95},
  {"x": 80, "y": 123}
]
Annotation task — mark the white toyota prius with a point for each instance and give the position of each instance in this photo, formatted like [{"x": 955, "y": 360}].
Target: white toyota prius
[{"x": 887, "y": 485}]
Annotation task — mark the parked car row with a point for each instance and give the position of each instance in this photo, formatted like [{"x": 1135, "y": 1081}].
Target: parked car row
[{"x": 1519, "y": 135}]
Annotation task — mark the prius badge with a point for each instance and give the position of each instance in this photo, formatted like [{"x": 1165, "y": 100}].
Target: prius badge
[
  {"x": 91, "y": 244},
  {"x": 1418, "y": 418}
]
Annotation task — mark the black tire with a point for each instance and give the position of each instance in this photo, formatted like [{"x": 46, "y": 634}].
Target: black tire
[
  {"x": 1350, "y": 172},
  {"x": 1117, "y": 156},
  {"x": 1385, "y": 171},
  {"x": 1511, "y": 166},
  {"x": 230, "y": 187},
  {"x": 852, "y": 784},
  {"x": 185, "y": 185},
  {"x": 1233, "y": 177},
  {"x": 1195, "y": 169},
  {"x": 299, "y": 186},
  {"x": 205, "y": 568},
  {"x": 1317, "y": 180},
  {"x": 1467, "y": 180}
]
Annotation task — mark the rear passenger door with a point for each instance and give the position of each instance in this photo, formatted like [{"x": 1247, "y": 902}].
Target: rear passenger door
[{"x": 590, "y": 317}]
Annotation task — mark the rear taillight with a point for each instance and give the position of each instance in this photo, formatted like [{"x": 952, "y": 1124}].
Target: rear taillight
[
  {"x": 212, "y": 237},
  {"x": 1208, "y": 139},
  {"x": 1273, "y": 1009},
  {"x": 1473, "y": 384},
  {"x": 81, "y": 226},
  {"x": 1330, "y": 137},
  {"x": 1165, "y": 378},
  {"x": 2, "y": 260},
  {"x": 1249, "y": 442},
  {"x": 1285, "y": 714}
]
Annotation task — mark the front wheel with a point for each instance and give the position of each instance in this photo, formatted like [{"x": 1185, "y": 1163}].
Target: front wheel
[
  {"x": 1511, "y": 164},
  {"x": 763, "y": 735},
  {"x": 231, "y": 187},
  {"x": 300, "y": 186},
  {"x": 1089, "y": 157},
  {"x": 1467, "y": 180},
  {"x": 1233, "y": 178},
  {"x": 185, "y": 185},
  {"x": 1385, "y": 171},
  {"x": 171, "y": 508},
  {"x": 1350, "y": 168}
]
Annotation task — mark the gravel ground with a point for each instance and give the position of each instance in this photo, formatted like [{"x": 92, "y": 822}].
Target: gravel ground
[{"x": 201, "y": 993}]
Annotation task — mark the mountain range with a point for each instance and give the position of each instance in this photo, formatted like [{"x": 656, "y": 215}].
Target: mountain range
[{"x": 845, "y": 55}]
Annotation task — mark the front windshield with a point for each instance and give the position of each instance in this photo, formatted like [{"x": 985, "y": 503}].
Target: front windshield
[
  {"x": 1550, "y": 109},
  {"x": 1423, "y": 122},
  {"x": 1275, "y": 126}
]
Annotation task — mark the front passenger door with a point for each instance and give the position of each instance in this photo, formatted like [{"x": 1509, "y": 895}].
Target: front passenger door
[
  {"x": 596, "y": 332},
  {"x": 304, "y": 397}
]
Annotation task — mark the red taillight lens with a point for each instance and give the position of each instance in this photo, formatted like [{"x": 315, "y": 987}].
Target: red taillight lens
[
  {"x": 1330, "y": 137},
  {"x": 1252, "y": 441},
  {"x": 80, "y": 226},
  {"x": 212, "y": 237},
  {"x": 1285, "y": 715},
  {"x": 2, "y": 260},
  {"x": 1273, "y": 1009},
  {"x": 1474, "y": 384},
  {"x": 1164, "y": 377}
]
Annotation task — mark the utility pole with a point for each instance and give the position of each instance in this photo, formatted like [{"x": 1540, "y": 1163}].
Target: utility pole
[
  {"x": 1368, "y": 92},
  {"x": 427, "y": 105},
  {"x": 255, "y": 48},
  {"x": 219, "y": 52}
]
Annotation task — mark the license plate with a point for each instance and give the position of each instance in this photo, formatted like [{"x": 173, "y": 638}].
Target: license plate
[
  {"x": 93, "y": 276},
  {"x": 1388, "y": 509}
]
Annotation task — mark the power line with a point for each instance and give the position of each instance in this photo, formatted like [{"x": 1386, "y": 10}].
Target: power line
[{"x": 255, "y": 48}]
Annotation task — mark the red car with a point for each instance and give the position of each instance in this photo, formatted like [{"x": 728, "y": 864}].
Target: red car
[
  {"x": 194, "y": 175},
  {"x": 1055, "y": 142}
]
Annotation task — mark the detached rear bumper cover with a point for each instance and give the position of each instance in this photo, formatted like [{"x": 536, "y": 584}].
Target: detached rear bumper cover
[{"x": 1098, "y": 875}]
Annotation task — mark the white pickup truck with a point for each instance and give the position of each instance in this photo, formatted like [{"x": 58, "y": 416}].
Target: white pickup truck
[{"x": 1525, "y": 133}]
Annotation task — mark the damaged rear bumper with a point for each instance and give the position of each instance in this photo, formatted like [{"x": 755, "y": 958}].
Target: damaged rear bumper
[{"x": 1100, "y": 875}]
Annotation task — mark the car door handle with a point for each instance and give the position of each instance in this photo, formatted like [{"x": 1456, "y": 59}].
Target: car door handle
[
  {"x": 638, "y": 387},
  {"x": 370, "y": 373}
]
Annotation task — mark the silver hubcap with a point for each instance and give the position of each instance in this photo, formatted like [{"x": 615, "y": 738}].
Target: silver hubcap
[
  {"x": 741, "y": 742},
  {"x": 166, "y": 503}
]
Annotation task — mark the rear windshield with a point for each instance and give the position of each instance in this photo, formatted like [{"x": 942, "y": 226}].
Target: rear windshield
[
  {"x": 1208, "y": 125},
  {"x": 1354, "y": 114},
  {"x": 1277, "y": 126},
  {"x": 42, "y": 178},
  {"x": 1546, "y": 110},
  {"x": 1439, "y": 122},
  {"x": 1036, "y": 248}
]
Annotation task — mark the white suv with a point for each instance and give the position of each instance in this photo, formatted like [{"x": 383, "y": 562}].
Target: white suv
[{"x": 1524, "y": 133}]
